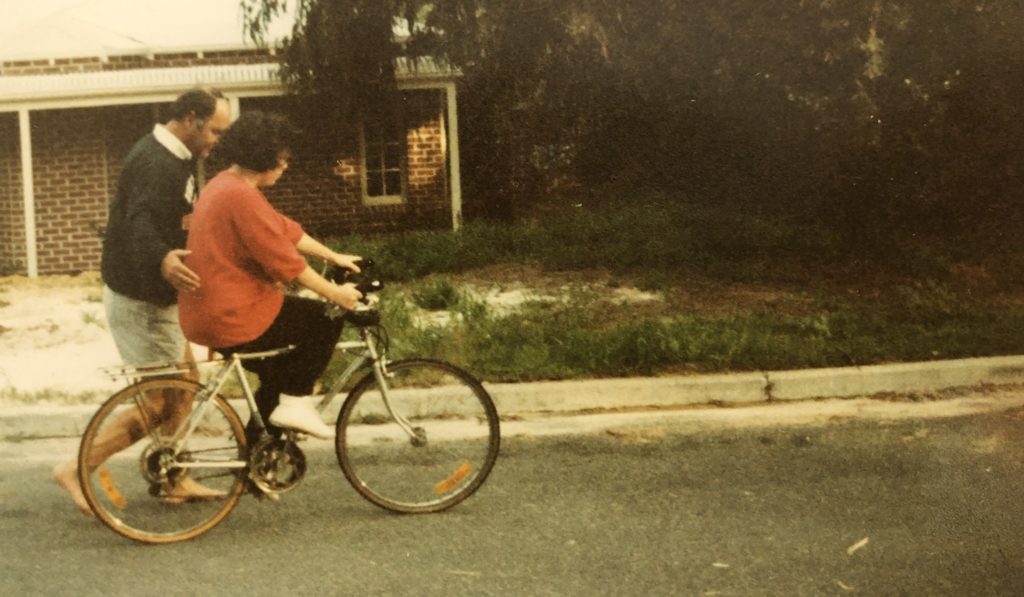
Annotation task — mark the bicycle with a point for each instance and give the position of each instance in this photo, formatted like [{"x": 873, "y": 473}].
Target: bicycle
[{"x": 413, "y": 436}]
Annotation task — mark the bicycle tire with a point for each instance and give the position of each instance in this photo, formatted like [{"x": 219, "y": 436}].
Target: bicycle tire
[
  {"x": 460, "y": 426},
  {"x": 129, "y": 477}
]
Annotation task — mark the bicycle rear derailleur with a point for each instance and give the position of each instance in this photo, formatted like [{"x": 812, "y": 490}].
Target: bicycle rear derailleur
[{"x": 276, "y": 465}]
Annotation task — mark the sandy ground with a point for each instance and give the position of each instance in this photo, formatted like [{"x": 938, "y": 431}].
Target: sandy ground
[
  {"x": 54, "y": 342},
  {"x": 53, "y": 338},
  {"x": 54, "y": 345}
]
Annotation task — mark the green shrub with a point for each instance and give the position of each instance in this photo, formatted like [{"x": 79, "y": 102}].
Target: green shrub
[{"x": 439, "y": 295}]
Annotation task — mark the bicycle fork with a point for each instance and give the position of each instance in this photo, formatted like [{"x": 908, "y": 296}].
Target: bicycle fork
[
  {"x": 380, "y": 372},
  {"x": 416, "y": 436}
]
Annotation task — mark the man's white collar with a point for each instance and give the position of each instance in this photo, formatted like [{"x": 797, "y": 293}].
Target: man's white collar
[{"x": 172, "y": 143}]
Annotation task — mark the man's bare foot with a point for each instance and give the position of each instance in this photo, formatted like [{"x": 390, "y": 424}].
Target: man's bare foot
[
  {"x": 65, "y": 475},
  {"x": 188, "y": 489}
]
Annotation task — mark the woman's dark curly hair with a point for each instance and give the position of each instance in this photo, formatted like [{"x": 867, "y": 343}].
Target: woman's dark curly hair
[{"x": 256, "y": 141}]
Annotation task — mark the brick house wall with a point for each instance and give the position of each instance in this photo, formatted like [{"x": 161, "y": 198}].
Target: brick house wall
[
  {"x": 426, "y": 159},
  {"x": 322, "y": 188},
  {"x": 77, "y": 154},
  {"x": 76, "y": 161}
]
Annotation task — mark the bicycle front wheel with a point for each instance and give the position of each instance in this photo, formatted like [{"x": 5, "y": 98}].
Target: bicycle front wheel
[
  {"x": 422, "y": 441},
  {"x": 142, "y": 485}
]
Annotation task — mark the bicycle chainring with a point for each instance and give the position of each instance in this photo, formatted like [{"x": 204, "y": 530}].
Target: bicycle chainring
[
  {"x": 276, "y": 465},
  {"x": 155, "y": 464}
]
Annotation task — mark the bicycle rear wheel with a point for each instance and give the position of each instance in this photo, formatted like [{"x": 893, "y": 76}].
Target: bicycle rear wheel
[
  {"x": 432, "y": 451},
  {"x": 132, "y": 478}
]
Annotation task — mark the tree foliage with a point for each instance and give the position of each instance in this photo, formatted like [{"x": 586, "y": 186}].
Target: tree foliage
[
  {"x": 873, "y": 115},
  {"x": 338, "y": 58}
]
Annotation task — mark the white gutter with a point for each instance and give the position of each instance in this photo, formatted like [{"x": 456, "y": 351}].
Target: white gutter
[
  {"x": 107, "y": 88},
  {"x": 146, "y": 51},
  {"x": 158, "y": 85},
  {"x": 28, "y": 193}
]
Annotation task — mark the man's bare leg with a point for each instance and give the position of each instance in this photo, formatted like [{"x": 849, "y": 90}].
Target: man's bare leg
[
  {"x": 124, "y": 430},
  {"x": 127, "y": 428}
]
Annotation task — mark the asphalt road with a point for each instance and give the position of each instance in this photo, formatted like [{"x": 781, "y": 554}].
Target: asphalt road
[{"x": 838, "y": 506}]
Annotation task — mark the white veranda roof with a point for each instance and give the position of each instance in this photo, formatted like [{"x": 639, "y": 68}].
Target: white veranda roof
[
  {"x": 55, "y": 29},
  {"x": 35, "y": 29},
  {"x": 164, "y": 84},
  {"x": 132, "y": 86}
]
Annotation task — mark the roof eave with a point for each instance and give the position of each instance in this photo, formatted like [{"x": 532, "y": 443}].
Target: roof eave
[{"x": 82, "y": 90}]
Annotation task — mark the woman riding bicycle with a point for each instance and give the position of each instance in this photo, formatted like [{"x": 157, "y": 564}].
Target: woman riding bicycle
[{"x": 244, "y": 251}]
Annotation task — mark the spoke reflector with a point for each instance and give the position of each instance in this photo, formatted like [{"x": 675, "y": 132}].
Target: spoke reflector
[
  {"x": 109, "y": 488},
  {"x": 460, "y": 473}
]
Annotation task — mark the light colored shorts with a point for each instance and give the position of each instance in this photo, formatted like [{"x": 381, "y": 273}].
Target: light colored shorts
[{"x": 144, "y": 333}]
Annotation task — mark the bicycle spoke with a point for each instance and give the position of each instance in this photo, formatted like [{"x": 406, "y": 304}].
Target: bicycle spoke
[
  {"x": 427, "y": 448},
  {"x": 134, "y": 481}
]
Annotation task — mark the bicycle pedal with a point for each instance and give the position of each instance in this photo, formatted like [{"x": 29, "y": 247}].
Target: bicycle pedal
[
  {"x": 293, "y": 436},
  {"x": 262, "y": 494}
]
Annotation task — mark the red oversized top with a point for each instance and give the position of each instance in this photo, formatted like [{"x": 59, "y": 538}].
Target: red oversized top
[{"x": 242, "y": 249}]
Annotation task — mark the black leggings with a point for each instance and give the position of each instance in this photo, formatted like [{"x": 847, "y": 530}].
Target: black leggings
[{"x": 304, "y": 324}]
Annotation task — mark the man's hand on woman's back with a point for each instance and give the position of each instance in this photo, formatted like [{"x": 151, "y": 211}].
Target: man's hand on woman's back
[{"x": 174, "y": 270}]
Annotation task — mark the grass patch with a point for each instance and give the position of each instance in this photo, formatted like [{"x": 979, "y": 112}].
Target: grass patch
[
  {"x": 438, "y": 295},
  {"x": 583, "y": 335},
  {"x": 924, "y": 299},
  {"x": 652, "y": 238}
]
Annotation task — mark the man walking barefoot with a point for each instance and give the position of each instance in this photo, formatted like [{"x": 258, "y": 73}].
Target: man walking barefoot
[{"x": 142, "y": 264}]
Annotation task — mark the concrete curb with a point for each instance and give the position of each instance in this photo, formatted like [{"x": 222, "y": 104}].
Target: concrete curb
[
  {"x": 32, "y": 422},
  {"x": 37, "y": 422},
  {"x": 802, "y": 384},
  {"x": 899, "y": 378}
]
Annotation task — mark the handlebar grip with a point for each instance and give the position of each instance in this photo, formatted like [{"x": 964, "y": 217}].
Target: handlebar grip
[
  {"x": 340, "y": 275},
  {"x": 336, "y": 275}
]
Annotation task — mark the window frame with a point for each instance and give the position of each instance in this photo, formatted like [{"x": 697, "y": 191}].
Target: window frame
[{"x": 364, "y": 174}]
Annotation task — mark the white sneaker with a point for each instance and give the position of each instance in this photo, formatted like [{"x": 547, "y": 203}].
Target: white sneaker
[{"x": 298, "y": 413}]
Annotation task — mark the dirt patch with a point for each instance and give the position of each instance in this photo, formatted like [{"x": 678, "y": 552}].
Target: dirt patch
[
  {"x": 682, "y": 294},
  {"x": 53, "y": 337}
]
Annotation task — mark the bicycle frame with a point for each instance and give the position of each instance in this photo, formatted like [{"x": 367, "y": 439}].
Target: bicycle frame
[{"x": 233, "y": 367}]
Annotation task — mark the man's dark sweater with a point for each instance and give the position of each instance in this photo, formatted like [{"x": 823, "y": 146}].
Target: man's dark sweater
[{"x": 154, "y": 194}]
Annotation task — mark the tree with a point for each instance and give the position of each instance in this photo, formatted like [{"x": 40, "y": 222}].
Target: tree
[
  {"x": 872, "y": 117},
  {"x": 520, "y": 61},
  {"x": 339, "y": 61}
]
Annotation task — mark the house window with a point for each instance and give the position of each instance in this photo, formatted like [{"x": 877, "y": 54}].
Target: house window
[{"x": 383, "y": 153}]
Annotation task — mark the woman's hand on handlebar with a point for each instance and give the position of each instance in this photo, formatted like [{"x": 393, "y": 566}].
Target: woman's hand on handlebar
[
  {"x": 307, "y": 245},
  {"x": 349, "y": 262},
  {"x": 346, "y": 295}
]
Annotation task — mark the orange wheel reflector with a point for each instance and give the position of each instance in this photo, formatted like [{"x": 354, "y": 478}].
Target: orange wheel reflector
[
  {"x": 107, "y": 483},
  {"x": 460, "y": 473}
]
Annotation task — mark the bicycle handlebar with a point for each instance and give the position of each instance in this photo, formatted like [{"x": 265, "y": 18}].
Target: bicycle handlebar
[
  {"x": 341, "y": 276},
  {"x": 359, "y": 317}
]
